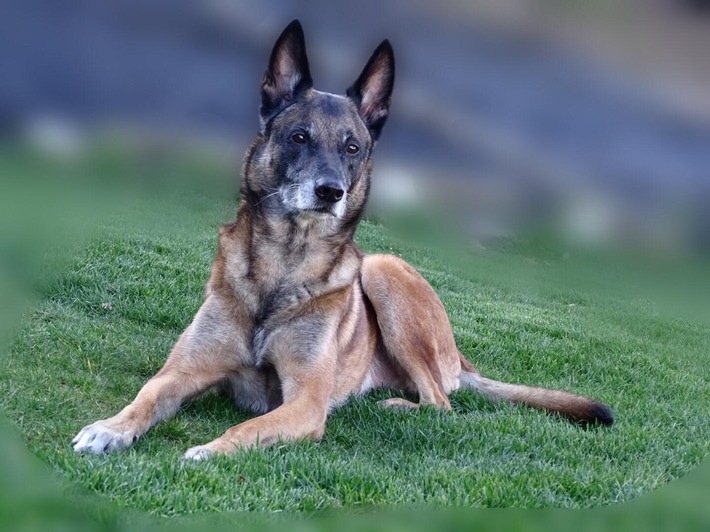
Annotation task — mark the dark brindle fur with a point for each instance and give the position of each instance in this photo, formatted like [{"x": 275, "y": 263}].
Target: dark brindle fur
[{"x": 296, "y": 319}]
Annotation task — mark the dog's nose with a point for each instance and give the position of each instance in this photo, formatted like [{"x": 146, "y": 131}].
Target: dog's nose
[{"x": 330, "y": 191}]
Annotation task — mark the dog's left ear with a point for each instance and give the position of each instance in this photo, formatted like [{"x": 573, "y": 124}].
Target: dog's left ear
[
  {"x": 373, "y": 89},
  {"x": 287, "y": 75}
]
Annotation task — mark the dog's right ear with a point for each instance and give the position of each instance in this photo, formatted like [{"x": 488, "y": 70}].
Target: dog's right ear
[{"x": 288, "y": 74}]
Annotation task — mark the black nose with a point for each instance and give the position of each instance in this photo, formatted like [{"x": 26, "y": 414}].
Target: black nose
[{"x": 330, "y": 191}]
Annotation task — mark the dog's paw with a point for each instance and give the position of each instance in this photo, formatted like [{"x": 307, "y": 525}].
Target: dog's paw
[
  {"x": 99, "y": 438},
  {"x": 397, "y": 403},
  {"x": 200, "y": 452}
]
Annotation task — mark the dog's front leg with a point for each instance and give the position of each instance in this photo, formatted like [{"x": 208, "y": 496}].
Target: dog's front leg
[
  {"x": 306, "y": 389},
  {"x": 201, "y": 357}
]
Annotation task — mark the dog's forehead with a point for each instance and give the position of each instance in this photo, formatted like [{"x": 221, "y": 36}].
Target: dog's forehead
[
  {"x": 331, "y": 105},
  {"x": 327, "y": 115}
]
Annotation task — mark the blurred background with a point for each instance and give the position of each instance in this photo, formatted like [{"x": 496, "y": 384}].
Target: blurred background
[{"x": 587, "y": 120}]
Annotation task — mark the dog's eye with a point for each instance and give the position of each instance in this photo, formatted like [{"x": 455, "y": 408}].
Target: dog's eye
[
  {"x": 352, "y": 149},
  {"x": 298, "y": 138}
]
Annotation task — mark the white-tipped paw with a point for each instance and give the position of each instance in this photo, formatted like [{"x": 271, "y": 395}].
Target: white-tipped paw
[
  {"x": 200, "y": 452},
  {"x": 99, "y": 438}
]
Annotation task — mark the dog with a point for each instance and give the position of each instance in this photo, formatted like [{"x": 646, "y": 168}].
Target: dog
[{"x": 296, "y": 319}]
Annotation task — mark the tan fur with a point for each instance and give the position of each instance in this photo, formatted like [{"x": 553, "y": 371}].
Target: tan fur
[{"x": 296, "y": 319}]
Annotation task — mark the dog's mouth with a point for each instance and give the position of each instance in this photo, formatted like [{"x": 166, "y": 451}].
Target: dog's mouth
[
  {"x": 319, "y": 212},
  {"x": 324, "y": 209}
]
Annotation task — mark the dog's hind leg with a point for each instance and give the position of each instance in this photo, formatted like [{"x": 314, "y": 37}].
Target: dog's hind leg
[{"x": 415, "y": 329}]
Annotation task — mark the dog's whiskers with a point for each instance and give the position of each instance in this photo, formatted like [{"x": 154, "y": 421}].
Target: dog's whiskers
[
  {"x": 293, "y": 185},
  {"x": 262, "y": 200}
]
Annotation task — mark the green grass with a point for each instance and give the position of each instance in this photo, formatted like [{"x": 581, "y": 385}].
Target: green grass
[{"x": 108, "y": 313}]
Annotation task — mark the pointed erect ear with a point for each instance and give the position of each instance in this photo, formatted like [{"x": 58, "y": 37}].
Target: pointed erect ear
[
  {"x": 373, "y": 89},
  {"x": 288, "y": 74}
]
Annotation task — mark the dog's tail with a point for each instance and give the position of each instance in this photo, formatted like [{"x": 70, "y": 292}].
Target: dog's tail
[{"x": 572, "y": 406}]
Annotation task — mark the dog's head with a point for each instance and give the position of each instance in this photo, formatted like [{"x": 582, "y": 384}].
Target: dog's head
[{"x": 312, "y": 157}]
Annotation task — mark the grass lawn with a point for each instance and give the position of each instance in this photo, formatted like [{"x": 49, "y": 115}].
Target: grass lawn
[{"x": 108, "y": 314}]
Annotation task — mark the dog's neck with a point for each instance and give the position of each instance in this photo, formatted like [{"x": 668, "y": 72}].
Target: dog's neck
[{"x": 304, "y": 247}]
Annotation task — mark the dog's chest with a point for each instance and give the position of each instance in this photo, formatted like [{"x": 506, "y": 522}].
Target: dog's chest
[
  {"x": 275, "y": 314},
  {"x": 283, "y": 295}
]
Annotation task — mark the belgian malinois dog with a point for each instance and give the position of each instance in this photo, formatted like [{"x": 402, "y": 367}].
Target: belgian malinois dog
[{"x": 296, "y": 319}]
